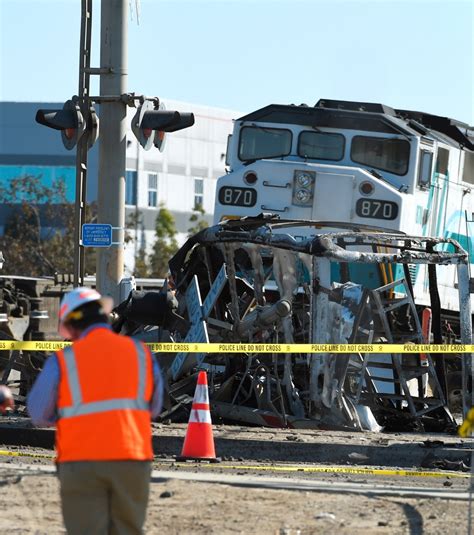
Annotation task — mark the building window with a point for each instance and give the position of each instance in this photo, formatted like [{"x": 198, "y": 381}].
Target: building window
[
  {"x": 46, "y": 175},
  {"x": 198, "y": 192},
  {"x": 152, "y": 190},
  {"x": 131, "y": 187}
]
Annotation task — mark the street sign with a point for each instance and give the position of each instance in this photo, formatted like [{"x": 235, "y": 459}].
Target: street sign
[{"x": 96, "y": 235}]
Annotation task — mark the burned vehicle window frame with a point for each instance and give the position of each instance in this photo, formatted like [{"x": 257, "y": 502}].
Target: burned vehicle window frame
[
  {"x": 245, "y": 154},
  {"x": 327, "y": 135},
  {"x": 257, "y": 284},
  {"x": 377, "y": 163}
]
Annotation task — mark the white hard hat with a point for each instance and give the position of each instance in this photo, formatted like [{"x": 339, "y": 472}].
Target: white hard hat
[{"x": 79, "y": 297}]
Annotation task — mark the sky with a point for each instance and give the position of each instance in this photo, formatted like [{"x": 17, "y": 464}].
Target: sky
[{"x": 246, "y": 54}]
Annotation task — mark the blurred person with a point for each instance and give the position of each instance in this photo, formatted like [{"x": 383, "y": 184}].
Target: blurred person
[
  {"x": 6, "y": 399},
  {"x": 101, "y": 393}
]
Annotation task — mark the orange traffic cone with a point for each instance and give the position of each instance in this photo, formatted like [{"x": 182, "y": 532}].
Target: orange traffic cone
[{"x": 199, "y": 442}]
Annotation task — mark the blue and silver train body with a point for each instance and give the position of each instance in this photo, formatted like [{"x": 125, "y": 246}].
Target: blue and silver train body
[{"x": 359, "y": 164}]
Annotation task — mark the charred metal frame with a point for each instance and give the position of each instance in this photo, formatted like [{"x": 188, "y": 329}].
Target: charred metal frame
[{"x": 358, "y": 244}]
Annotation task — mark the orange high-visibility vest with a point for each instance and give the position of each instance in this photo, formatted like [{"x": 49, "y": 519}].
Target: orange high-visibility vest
[{"x": 104, "y": 394}]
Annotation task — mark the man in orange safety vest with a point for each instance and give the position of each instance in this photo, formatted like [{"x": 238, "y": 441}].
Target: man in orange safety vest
[{"x": 101, "y": 394}]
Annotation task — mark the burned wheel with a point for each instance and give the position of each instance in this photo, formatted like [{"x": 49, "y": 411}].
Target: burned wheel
[{"x": 454, "y": 381}]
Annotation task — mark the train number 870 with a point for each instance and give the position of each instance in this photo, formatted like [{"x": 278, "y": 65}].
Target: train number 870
[
  {"x": 237, "y": 196},
  {"x": 377, "y": 209}
]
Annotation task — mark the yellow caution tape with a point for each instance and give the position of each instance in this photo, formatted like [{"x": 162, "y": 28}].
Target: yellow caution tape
[
  {"x": 309, "y": 348},
  {"x": 15, "y": 345},
  {"x": 287, "y": 468},
  {"x": 25, "y": 454},
  {"x": 190, "y": 347},
  {"x": 339, "y": 469}
]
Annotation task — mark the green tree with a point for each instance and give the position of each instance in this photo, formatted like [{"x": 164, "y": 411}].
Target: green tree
[
  {"x": 165, "y": 245},
  {"x": 39, "y": 234},
  {"x": 197, "y": 221}
]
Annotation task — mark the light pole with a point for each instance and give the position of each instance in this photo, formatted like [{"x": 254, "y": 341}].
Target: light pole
[{"x": 112, "y": 150}]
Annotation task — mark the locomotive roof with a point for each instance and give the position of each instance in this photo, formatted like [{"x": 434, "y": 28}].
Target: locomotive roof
[{"x": 367, "y": 116}]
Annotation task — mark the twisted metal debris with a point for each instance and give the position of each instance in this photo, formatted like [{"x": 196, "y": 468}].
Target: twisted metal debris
[{"x": 253, "y": 281}]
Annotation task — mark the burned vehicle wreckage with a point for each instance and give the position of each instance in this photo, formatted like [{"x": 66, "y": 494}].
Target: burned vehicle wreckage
[
  {"x": 259, "y": 284},
  {"x": 263, "y": 280}
]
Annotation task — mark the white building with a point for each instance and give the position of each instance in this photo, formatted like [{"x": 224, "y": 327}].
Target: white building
[{"x": 180, "y": 177}]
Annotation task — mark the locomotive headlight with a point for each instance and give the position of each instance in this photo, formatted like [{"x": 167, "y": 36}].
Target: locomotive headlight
[
  {"x": 302, "y": 196},
  {"x": 303, "y": 187},
  {"x": 304, "y": 179}
]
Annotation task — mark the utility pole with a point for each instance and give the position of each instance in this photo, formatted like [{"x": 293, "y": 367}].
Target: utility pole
[
  {"x": 79, "y": 125},
  {"x": 112, "y": 150},
  {"x": 83, "y": 143}
]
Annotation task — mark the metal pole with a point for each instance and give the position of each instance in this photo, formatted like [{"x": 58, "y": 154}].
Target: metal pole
[
  {"x": 82, "y": 146},
  {"x": 112, "y": 150},
  {"x": 319, "y": 328},
  {"x": 465, "y": 320}
]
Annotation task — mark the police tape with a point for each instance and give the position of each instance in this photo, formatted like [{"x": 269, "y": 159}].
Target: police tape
[
  {"x": 7, "y": 453},
  {"x": 27, "y": 345},
  {"x": 337, "y": 470},
  {"x": 191, "y": 347},
  {"x": 287, "y": 468}
]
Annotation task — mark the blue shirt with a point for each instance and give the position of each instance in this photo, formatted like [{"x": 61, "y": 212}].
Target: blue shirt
[{"x": 42, "y": 399}]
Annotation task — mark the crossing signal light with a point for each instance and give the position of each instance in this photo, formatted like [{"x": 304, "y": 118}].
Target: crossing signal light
[
  {"x": 167, "y": 121},
  {"x": 92, "y": 127},
  {"x": 150, "y": 125},
  {"x": 69, "y": 121}
]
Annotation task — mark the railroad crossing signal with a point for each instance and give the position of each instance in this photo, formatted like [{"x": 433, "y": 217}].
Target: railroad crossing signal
[
  {"x": 69, "y": 121},
  {"x": 92, "y": 127},
  {"x": 150, "y": 124}
]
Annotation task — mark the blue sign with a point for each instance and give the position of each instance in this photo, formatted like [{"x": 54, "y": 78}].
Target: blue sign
[{"x": 96, "y": 235}]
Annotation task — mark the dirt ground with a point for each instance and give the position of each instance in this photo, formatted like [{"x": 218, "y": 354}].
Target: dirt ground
[
  {"x": 30, "y": 505},
  {"x": 30, "y": 501}
]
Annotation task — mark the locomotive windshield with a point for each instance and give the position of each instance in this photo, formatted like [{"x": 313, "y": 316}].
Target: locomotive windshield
[
  {"x": 390, "y": 155},
  {"x": 258, "y": 142},
  {"x": 321, "y": 146}
]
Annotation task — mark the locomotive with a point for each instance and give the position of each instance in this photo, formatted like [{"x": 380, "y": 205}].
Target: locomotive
[{"x": 357, "y": 163}]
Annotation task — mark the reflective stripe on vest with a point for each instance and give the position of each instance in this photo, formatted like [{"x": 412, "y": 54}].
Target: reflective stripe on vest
[{"x": 78, "y": 408}]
